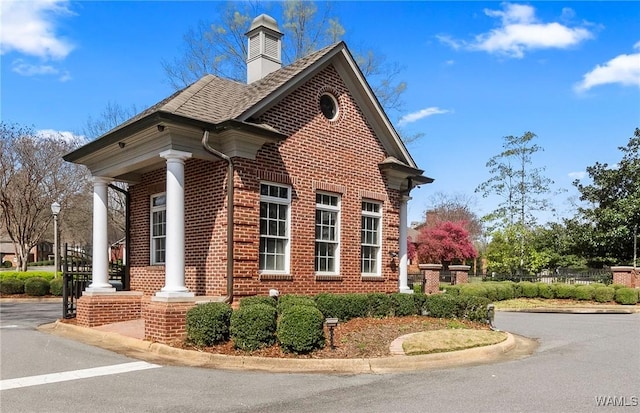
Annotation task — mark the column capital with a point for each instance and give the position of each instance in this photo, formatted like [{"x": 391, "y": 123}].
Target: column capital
[
  {"x": 172, "y": 154},
  {"x": 105, "y": 180}
]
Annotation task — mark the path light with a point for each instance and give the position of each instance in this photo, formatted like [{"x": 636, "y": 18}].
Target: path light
[
  {"x": 491, "y": 312},
  {"x": 55, "y": 210},
  {"x": 331, "y": 322}
]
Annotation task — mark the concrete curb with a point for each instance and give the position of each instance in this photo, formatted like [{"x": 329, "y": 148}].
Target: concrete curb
[{"x": 162, "y": 353}]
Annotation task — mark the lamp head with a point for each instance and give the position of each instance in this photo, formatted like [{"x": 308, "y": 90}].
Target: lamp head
[{"x": 55, "y": 208}]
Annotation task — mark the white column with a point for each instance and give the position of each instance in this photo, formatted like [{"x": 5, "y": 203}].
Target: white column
[
  {"x": 402, "y": 248},
  {"x": 174, "y": 259},
  {"x": 100, "y": 259}
]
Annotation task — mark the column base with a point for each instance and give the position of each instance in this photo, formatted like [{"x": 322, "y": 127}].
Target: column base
[
  {"x": 174, "y": 296},
  {"x": 99, "y": 308},
  {"x": 165, "y": 321},
  {"x": 405, "y": 290},
  {"x": 100, "y": 290}
]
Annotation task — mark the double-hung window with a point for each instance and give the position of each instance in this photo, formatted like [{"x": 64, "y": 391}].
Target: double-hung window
[
  {"x": 327, "y": 255},
  {"x": 275, "y": 201},
  {"x": 158, "y": 228},
  {"x": 370, "y": 238}
]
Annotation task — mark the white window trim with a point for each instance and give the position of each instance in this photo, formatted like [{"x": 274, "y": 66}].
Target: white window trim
[
  {"x": 153, "y": 209},
  {"x": 336, "y": 209},
  {"x": 282, "y": 201},
  {"x": 377, "y": 215}
]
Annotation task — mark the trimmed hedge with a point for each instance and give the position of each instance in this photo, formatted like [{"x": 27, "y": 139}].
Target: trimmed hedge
[
  {"x": 545, "y": 290},
  {"x": 208, "y": 324},
  {"x": 604, "y": 294},
  {"x": 527, "y": 289},
  {"x": 300, "y": 329},
  {"x": 402, "y": 305},
  {"x": 36, "y": 286},
  {"x": 564, "y": 290},
  {"x": 258, "y": 299},
  {"x": 626, "y": 296},
  {"x": 343, "y": 306},
  {"x": 289, "y": 300},
  {"x": 24, "y": 275},
  {"x": 584, "y": 292},
  {"x": 442, "y": 305},
  {"x": 253, "y": 326},
  {"x": 379, "y": 305},
  {"x": 55, "y": 286},
  {"x": 11, "y": 286}
]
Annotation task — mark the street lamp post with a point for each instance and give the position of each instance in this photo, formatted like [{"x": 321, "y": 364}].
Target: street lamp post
[{"x": 55, "y": 210}]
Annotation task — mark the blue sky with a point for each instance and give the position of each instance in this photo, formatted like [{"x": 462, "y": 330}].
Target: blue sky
[{"x": 476, "y": 72}]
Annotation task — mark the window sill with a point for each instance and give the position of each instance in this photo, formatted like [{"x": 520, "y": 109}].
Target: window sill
[
  {"x": 328, "y": 277},
  {"x": 372, "y": 278},
  {"x": 275, "y": 277}
]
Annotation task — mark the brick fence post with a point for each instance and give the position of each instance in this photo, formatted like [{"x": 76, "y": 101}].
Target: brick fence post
[
  {"x": 99, "y": 308},
  {"x": 431, "y": 274},
  {"x": 460, "y": 272},
  {"x": 625, "y": 275},
  {"x": 165, "y": 320}
]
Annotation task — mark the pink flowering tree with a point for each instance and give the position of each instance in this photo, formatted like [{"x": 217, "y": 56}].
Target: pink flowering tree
[{"x": 444, "y": 243}]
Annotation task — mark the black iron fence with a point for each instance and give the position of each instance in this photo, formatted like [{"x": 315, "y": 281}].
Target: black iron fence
[
  {"x": 604, "y": 276},
  {"x": 76, "y": 272}
]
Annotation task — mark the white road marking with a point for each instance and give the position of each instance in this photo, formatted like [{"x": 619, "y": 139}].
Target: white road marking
[
  {"x": 10, "y": 326},
  {"x": 75, "y": 375}
]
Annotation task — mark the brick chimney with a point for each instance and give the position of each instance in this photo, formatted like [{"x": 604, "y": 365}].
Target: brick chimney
[{"x": 265, "y": 47}]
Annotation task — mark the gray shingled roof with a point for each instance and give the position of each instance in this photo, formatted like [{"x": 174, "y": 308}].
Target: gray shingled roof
[{"x": 214, "y": 99}]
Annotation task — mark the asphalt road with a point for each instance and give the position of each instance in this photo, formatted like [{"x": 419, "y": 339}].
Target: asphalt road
[{"x": 583, "y": 361}]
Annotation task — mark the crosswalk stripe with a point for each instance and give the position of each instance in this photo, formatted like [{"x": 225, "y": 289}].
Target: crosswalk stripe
[{"x": 75, "y": 375}]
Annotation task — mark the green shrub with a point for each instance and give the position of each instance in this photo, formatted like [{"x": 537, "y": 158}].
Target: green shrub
[
  {"x": 564, "y": 290},
  {"x": 545, "y": 290},
  {"x": 417, "y": 288},
  {"x": 300, "y": 329},
  {"x": 208, "y": 324},
  {"x": 626, "y": 296},
  {"x": 36, "y": 286},
  {"x": 24, "y": 275},
  {"x": 453, "y": 289},
  {"x": 343, "y": 306},
  {"x": 258, "y": 299},
  {"x": 476, "y": 290},
  {"x": 253, "y": 327},
  {"x": 472, "y": 308},
  {"x": 379, "y": 305},
  {"x": 420, "y": 303},
  {"x": 11, "y": 286},
  {"x": 55, "y": 286},
  {"x": 506, "y": 290},
  {"x": 7, "y": 264},
  {"x": 585, "y": 292},
  {"x": 604, "y": 294},
  {"x": 528, "y": 289},
  {"x": 289, "y": 300},
  {"x": 403, "y": 304},
  {"x": 442, "y": 305}
]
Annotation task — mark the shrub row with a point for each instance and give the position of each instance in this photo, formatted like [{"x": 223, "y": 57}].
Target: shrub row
[
  {"x": 22, "y": 275},
  {"x": 504, "y": 290},
  {"x": 296, "y": 322},
  {"x": 34, "y": 286}
]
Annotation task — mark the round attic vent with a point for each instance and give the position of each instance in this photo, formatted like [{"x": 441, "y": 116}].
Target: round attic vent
[{"x": 329, "y": 106}]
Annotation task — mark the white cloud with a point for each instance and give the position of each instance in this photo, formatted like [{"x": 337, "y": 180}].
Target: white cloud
[
  {"x": 415, "y": 116},
  {"x": 520, "y": 31},
  {"x": 27, "y": 69},
  {"x": 29, "y": 27},
  {"x": 623, "y": 69},
  {"x": 577, "y": 175}
]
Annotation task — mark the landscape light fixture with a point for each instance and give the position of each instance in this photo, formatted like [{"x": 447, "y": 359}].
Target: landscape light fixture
[
  {"x": 332, "y": 323},
  {"x": 55, "y": 210}
]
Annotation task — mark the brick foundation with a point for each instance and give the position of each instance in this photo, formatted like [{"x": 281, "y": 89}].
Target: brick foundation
[
  {"x": 165, "y": 320},
  {"x": 431, "y": 274},
  {"x": 96, "y": 309}
]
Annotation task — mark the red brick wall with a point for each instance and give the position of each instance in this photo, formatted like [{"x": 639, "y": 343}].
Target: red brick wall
[
  {"x": 165, "y": 322},
  {"x": 339, "y": 156},
  {"x": 97, "y": 310}
]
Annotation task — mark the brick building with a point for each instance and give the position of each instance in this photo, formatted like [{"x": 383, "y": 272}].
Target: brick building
[{"x": 320, "y": 182}]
